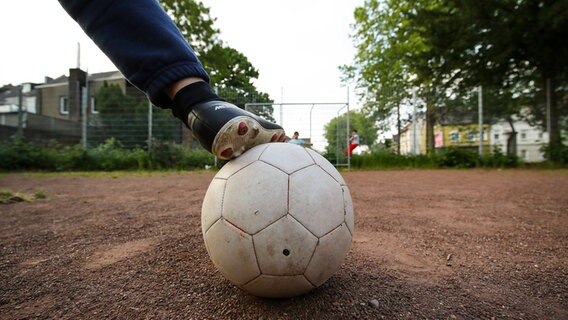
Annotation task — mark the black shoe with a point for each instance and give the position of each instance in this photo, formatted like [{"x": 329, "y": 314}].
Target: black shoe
[
  {"x": 227, "y": 131},
  {"x": 221, "y": 127}
]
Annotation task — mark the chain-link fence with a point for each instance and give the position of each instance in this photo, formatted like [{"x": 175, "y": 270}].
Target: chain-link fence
[{"x": 125, "y": 117}]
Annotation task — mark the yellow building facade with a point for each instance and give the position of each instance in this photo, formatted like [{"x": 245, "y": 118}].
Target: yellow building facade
[{"x": 463, "y": 136}]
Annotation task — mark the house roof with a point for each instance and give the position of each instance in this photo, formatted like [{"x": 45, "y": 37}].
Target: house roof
[
  {"x": 8, "y": 91},
  {"x": 457, "y": 115},
  {"x": 100, "y": 76}
]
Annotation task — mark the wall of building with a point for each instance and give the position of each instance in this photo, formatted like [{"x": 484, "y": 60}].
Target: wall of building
[
  {"x": 50, "y": 96},
  {"x": 529, "y": 139},
  {"x": 407, "y": 139},
  {"x": 461, "y": 136}
]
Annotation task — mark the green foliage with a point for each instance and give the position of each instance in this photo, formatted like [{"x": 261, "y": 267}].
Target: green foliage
[
  {"x": 230, "y": 71},
  {"x": 21, "y": 155},
  {"x": 457, "y": 158},
  {"x": 108, "y": 156},
  {"x": 194, "y": 21},
  {"x": 385, "y": 160},
  {"x": 7, "y": 196},
  {"x": 557, "y": 153},
  {"x": 364, "y": 125},
  {"x": 125, "y": 118},
  {"x": 164, "y": 155},
  {"x": 121, "y": 116},
  {"x": 449, "y": 158},
  {"x": 241, "y": 97},
  {"x": 111, "y": 155},
  {"x": 498, "y": 159},
  {"x": 448, "y": 48}
]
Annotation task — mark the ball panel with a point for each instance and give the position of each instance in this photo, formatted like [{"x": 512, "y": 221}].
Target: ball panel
[
  {"x": 232, "y": 252},
  {"x": 284, "y": 248},
  {"x": 326, "y": 166},
  {"x": 212, "y": 203},
  {"x": 242, "y": 161},
  {"x": 295, "y": 157},
  {"x": 349, "y": 213},
  {"x": 328, "y": 256},
  {"x": 278, "y": 286},
  {"x": 256, "y": 197},
  {"x": 316, "y": 200}
]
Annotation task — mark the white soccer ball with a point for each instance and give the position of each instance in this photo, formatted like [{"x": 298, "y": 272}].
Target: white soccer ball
[{"x": 278, "y": 221}]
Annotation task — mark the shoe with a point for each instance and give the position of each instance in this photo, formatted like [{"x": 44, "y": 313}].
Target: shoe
[{"x": 227, "y": 130}]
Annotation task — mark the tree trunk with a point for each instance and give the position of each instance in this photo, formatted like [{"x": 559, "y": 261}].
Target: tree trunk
[
  {"x": 512, "y": 139},
  {"x": 554, "y": 134}
]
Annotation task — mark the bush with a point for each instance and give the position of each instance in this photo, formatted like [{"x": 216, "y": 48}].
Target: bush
[
  {"x": 385, "y": 159},
  {"x": 457, "y": 158},
  {"x": 166, "y": 155},
  {"x": 109, "y": 156},
  {"x": 498, "y": 159},
  {"x": 557, "y": 153}
]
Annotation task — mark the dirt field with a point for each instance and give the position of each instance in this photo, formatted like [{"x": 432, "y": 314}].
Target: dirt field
[{"x": 428, "y": 244}]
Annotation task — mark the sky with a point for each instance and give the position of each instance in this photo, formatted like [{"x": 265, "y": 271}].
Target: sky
[{"x": 297, "y": 46}]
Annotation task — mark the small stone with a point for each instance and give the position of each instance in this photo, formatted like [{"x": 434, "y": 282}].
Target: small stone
[{"x": 374, "y": 303}]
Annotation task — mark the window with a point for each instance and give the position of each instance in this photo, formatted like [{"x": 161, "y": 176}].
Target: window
[
  {"x": 524, "y": 154},
  {"x": 471, "y": 135},
  {"x": 523, "y": 135},
  {"x": 94, "y": 109},
  {"x": 540, "y": 135},
  {"x": 454, "y": 136},
  {"x": 496, "y": 136},
  {"x": 64, "y": 105}
]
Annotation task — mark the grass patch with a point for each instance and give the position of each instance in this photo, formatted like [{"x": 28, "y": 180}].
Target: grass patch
[
  {"x": 7, "y": 196},
  {"x": 106, "y": 174}
]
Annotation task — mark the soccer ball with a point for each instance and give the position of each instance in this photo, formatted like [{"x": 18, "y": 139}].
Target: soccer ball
[{"x": 278, "y": 221}]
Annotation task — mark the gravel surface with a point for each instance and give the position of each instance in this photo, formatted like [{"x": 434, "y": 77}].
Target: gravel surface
[{"x": 441, "y": 244}]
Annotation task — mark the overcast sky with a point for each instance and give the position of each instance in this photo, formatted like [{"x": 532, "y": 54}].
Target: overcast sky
[{"x": 296, "y": 45}]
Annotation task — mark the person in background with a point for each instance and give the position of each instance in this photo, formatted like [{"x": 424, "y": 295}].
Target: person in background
[
  {"x": 296, "y": 140},
  {"x": 354, "y": 142},
  {"x": 152, "y": 54}
]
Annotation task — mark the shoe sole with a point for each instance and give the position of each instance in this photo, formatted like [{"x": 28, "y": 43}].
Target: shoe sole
[{"x": 242, "y": 133}]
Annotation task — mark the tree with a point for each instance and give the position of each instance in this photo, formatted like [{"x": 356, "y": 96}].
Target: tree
[
  {"x": 513, "y": 48},
  {"x": 391, "y": 57},
  {"x": 122, "y": 117},
  {"x": 126, "y": 119},
  {"x": 230, "y": 71},
  {"x": 336, "y": 129}
]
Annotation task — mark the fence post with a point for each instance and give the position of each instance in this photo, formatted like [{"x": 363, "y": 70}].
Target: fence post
[
  {"x": 480, "y": 120},
  {"x": 85, "y": 110},
  {"x": 20, "y": 113},
  {"x": 149, "y": 125}
]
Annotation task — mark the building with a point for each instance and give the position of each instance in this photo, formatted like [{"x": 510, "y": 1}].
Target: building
[
  {"x": 412, "y": 138},
  {"x": 459, "y": 129},
  {"x": 63, "y": 97},
  {"x": 16, "y": 103},
  {"x": 65, "y": 109},
  {"x": 526, "y": 145}
]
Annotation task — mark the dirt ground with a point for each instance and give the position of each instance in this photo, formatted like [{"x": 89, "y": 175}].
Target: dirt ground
[{"x": 442, "y": 244}]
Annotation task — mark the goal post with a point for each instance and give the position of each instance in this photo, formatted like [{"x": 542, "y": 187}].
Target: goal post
[{"x": 310, "y": 120}]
